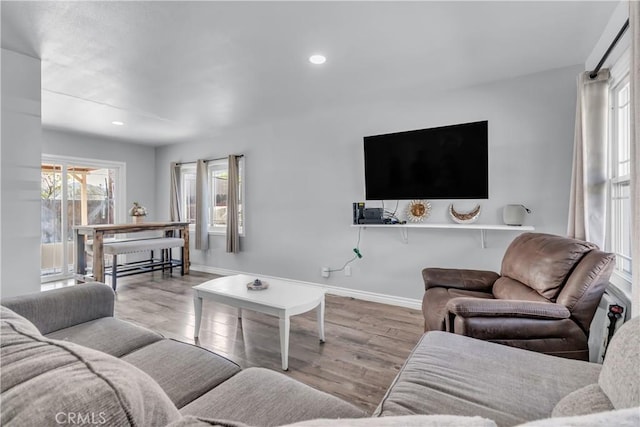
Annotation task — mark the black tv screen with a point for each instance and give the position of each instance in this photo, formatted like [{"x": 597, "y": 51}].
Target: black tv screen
[{"x": 449, "y": 162}]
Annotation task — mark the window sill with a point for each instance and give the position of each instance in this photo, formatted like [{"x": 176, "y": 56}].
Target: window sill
[
  {"x": 213, "y": 232},
  {"x": 621, "y": 284},
  {"x": 221, "y": 233}
]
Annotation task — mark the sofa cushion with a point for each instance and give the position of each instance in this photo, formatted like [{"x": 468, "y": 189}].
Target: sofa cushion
[
  {"x": 64, "y": 307},
  {"x": 507, "y": 288},
  {"x": 620, "y": 376},
  {"x": 543, "y": 261},
  {"x": 622, "y": 418},
  {"x": 184, "y": 371},
  {"x": 190, "y": 421},
  {"x": 434, "y": 305},
  {"x": 109, "y": 335},
  {"x": 48, "y": 382},
  {"x": 586, "y": 400},
  {"x": 258, "y": 396},
  {"x": 18, "y": 321},
  {"x": 457, "y": 375},
  {"x": 406, "y": 421}
]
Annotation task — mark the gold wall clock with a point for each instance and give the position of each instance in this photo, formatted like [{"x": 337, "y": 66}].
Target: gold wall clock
[{"x": 418, "y": 210}]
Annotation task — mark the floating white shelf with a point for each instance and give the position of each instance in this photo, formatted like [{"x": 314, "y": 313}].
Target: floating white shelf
[{"x": 404, "y": 228}]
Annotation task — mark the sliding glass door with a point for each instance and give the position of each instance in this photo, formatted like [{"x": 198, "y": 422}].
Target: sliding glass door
[{"x": 74, "y": 192}]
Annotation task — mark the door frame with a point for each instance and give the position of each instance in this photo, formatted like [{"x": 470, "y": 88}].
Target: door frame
[{"x": 120, "y": 199}]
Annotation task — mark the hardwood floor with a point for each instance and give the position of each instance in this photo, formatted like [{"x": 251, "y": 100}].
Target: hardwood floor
[{"x": 366, "y": 343}]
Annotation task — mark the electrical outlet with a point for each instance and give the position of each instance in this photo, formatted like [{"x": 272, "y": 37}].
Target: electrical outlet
[
  {"x": 347, "y": 270},
  {"x": 325, "y": 271}
]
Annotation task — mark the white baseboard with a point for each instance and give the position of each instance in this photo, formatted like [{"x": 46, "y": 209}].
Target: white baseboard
[{"x": 415, "y": 304}]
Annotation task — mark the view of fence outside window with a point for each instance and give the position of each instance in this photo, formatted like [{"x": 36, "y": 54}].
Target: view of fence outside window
[{"x": 72, "y": 195}]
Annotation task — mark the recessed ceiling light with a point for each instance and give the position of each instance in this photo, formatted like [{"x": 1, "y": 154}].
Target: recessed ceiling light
[
  {"x": 317, "y": 59},
  {"x": 117, "y": 123}
]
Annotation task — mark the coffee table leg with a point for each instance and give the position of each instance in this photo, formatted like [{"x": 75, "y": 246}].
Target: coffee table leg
[
  {"x": 197, "y": 303},
  {"x": 284, "y": 340},
  {"x": 321, "y": 320}
]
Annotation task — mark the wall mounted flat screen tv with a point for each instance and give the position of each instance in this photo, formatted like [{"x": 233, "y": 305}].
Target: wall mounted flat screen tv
[{"x": 449, "y": 162}]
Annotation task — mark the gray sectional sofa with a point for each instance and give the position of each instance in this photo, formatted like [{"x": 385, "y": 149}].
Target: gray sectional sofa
[{"x": 65, "y": 360}]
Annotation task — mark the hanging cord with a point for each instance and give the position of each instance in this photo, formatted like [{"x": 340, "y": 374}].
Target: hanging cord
[
  {"x": 357, "y": 255},
  {"x": 391, "y": 215}
]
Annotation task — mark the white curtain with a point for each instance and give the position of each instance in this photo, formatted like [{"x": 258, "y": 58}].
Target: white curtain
[
  {"x": 588, "y": 200},
  {"x": 174, "y": 193},
  {"x": 202, "y": 206},
  {"x": 634, "y": 26},
  {"x": 233, "y": 235}
]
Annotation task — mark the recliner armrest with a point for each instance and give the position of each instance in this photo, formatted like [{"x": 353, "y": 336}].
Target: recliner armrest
[
  {"x": 472, "y": 280},
  {"x": 62, "y": 308},
  {"x": 477, "y": 307}
]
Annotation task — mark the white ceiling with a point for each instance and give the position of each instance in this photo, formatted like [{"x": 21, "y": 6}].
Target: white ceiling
[{"x": 174, "y": 71}]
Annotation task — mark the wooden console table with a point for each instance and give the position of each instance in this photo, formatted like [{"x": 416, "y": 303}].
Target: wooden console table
[{"x": 97, "y": 232}]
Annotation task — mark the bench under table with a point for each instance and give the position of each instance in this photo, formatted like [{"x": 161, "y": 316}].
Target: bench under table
[{"x": 164, "y": 262}]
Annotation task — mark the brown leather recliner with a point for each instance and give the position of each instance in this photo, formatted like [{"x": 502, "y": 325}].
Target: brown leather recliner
[{"x": 544, "y": 299}]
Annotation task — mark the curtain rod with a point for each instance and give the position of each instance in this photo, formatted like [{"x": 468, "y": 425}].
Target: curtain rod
[
  {"x": 594, "y": 73},
  {"x": 207, "y": 160}
]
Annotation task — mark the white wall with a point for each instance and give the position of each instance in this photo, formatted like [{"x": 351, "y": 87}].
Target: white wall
[
  {"x": 20, "y": 175},
  {"x": 139, "y": 160},
  {"x": 303, "y": 173}
]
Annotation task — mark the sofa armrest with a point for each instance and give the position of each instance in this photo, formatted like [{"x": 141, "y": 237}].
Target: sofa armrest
[
  {"x": 472, "y": 280},
  {"x": 61, "y": 308},
  {"x": 478, "y": 307}
]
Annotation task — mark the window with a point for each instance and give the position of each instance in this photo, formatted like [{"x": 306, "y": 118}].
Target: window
[
  {"x": 74, "y": 192},
  {"x": 619, "y": 240},
  {"x": 218, "y": 184},
  {"x": 188, "y": 192}
]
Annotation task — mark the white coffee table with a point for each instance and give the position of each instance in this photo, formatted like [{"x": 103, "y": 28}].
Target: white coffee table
[{"x": 283, "y": 298}]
